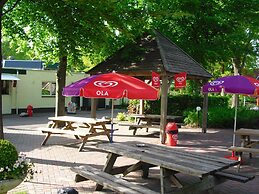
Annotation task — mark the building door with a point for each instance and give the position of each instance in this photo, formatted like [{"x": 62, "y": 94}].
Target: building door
[
  {"x": 101, "y": 103},
  {"x": 87, "y": 103}
]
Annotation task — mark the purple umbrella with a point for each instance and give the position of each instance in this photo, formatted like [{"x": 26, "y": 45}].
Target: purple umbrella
[
  {"x": 74, "y": 88},
  {"x": 236, "y": 84}
]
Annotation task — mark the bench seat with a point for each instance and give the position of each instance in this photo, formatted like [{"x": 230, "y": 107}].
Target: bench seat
[
  {"x": 135, "y": 127},
  {"x": 244, "y": 149},
  {"x": 234, "y": 176},
  {"x": 78, "y": 133},
  {"x": 110, "y": 181},
  {"x": 240, "y": 151},
  {"x": 64, "y": 131}
]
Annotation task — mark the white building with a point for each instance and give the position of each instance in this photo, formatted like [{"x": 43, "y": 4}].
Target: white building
[{"x": 27, "y": 83}]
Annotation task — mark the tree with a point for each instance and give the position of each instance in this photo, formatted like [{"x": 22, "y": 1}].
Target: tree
[
  {"x": 66, "y": 30},
  {"x": 215, "y": 33},
  {"x": 2, "y": 4}
]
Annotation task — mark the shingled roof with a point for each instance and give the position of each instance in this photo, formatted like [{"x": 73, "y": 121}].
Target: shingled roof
[{"x": 151, "y": 53}]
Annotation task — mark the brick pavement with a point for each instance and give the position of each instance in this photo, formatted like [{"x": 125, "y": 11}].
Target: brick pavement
[{"x": 53, "y": 161}]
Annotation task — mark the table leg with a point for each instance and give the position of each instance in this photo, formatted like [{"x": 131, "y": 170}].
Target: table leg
[
  {"x": 135, "y": 131},
  {"x": 92, "y": 129},
  {"x": 249, "y": 142},
  {"x": 139, "y": 166},
  {"x": 111, "y": 158},
  {"x": 83, "y": 143},
  {"x": 164, "y": 180},
  {"x": 107, "y": 132},
  {"x": 137, "y": 120},
  {"x": 46, "y": 138}
]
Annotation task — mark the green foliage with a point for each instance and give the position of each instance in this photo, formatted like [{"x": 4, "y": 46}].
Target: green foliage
[
  {"x": 224, "y": 118},
  {"x": 211, "y": 30},
  {"x": 8, "y": 153},
  {"x": 13, "y": 166},
  {"x": 191, "y": 118},
  {"x": 133, "y": 106},
  {"x": 45, "y": 92},
  {"x": 77, "y": 29},
  {"x": 247, "y": 118},
  {"x": 177, "y": 105},
  {"x": 219, "y": 117},
  {"x": 218, "y": 101},
  {"x": 121, "y": 116}
]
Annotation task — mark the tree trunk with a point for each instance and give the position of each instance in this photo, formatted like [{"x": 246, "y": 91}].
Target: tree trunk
[
  {"x": 236, "y": 69},
  {"x": 61, "y": 81},
  {"x": 1, "y": 84},
  {"x": 236, "y": 65}
]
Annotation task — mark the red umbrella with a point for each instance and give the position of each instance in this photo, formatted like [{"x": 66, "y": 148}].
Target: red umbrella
[{"x": 113, "y": 86}]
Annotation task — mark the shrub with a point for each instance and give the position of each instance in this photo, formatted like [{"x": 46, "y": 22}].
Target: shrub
[
  {"x": 121, "y": 116},
  {"x": 179, "y": 104},
  {"x": 219, "y": 117},
  {"x": 133, "y": 106},
  {"x": 191, "y": 118},
  {"x": 12, "y": 165},
  {"x": 8, "y": 153}
]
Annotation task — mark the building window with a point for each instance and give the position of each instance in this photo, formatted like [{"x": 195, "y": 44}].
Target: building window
[
  {"x": 48, "y": 89},
  {"x": 5, "y": 87}
]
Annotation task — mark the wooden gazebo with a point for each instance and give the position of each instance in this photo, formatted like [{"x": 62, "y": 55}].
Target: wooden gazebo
[{"x": 153, "y": 52}]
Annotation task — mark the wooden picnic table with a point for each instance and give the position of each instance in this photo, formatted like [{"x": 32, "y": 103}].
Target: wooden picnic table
[
  {"x": 80, "y": 127},
  {"x": 147, "y": 121},
  {"x": 248, "y": 144},
  {"x": 171, "y": 160},
  {"x": 90, "y": 123},
  {"x": 151, "y": 118}
]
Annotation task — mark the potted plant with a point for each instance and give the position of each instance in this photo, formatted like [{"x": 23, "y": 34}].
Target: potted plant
[{"x": 14, "y": 168}]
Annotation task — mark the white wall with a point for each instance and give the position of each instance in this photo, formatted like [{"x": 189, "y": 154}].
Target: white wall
[{"x": 29, "y": 90}]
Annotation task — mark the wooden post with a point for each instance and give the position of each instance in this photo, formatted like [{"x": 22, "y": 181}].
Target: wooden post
[
  {"x": 163, "y": 120},
  {"x": 205, "y": 113},
  {"x": 141, "y": 107},
  {"x": 93, "y": 107}
]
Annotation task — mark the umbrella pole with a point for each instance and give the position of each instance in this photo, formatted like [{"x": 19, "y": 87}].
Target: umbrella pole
[
  {"x": 233, "y": 155},
  {"x": 111, "y": 135},
  {"x": 235, "y": 120}
]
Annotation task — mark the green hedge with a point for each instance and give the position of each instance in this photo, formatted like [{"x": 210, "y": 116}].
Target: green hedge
[
  {"x": 224, "y": 118},
  {"x": 219, "y": 114},
  {"x": 177, "y": 105},
  {"x": 219, "y": 117}
]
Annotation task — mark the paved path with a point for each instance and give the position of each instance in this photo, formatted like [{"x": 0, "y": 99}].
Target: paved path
[{"x": 53, "y": 161}]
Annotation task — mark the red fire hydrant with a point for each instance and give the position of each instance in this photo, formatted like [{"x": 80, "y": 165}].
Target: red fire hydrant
[
  {"x": 29, "y": 110},
  {"x": 171, "y": 131}
]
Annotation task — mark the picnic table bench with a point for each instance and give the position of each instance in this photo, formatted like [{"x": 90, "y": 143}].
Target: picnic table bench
[
  {"x": 135, "y": 126},
  {"x": 210, "y": 169},
  {"x": 112, "y": 182}
]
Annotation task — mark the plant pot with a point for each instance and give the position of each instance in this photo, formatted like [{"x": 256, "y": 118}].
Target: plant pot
[{"x": 7, "y": 185}]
